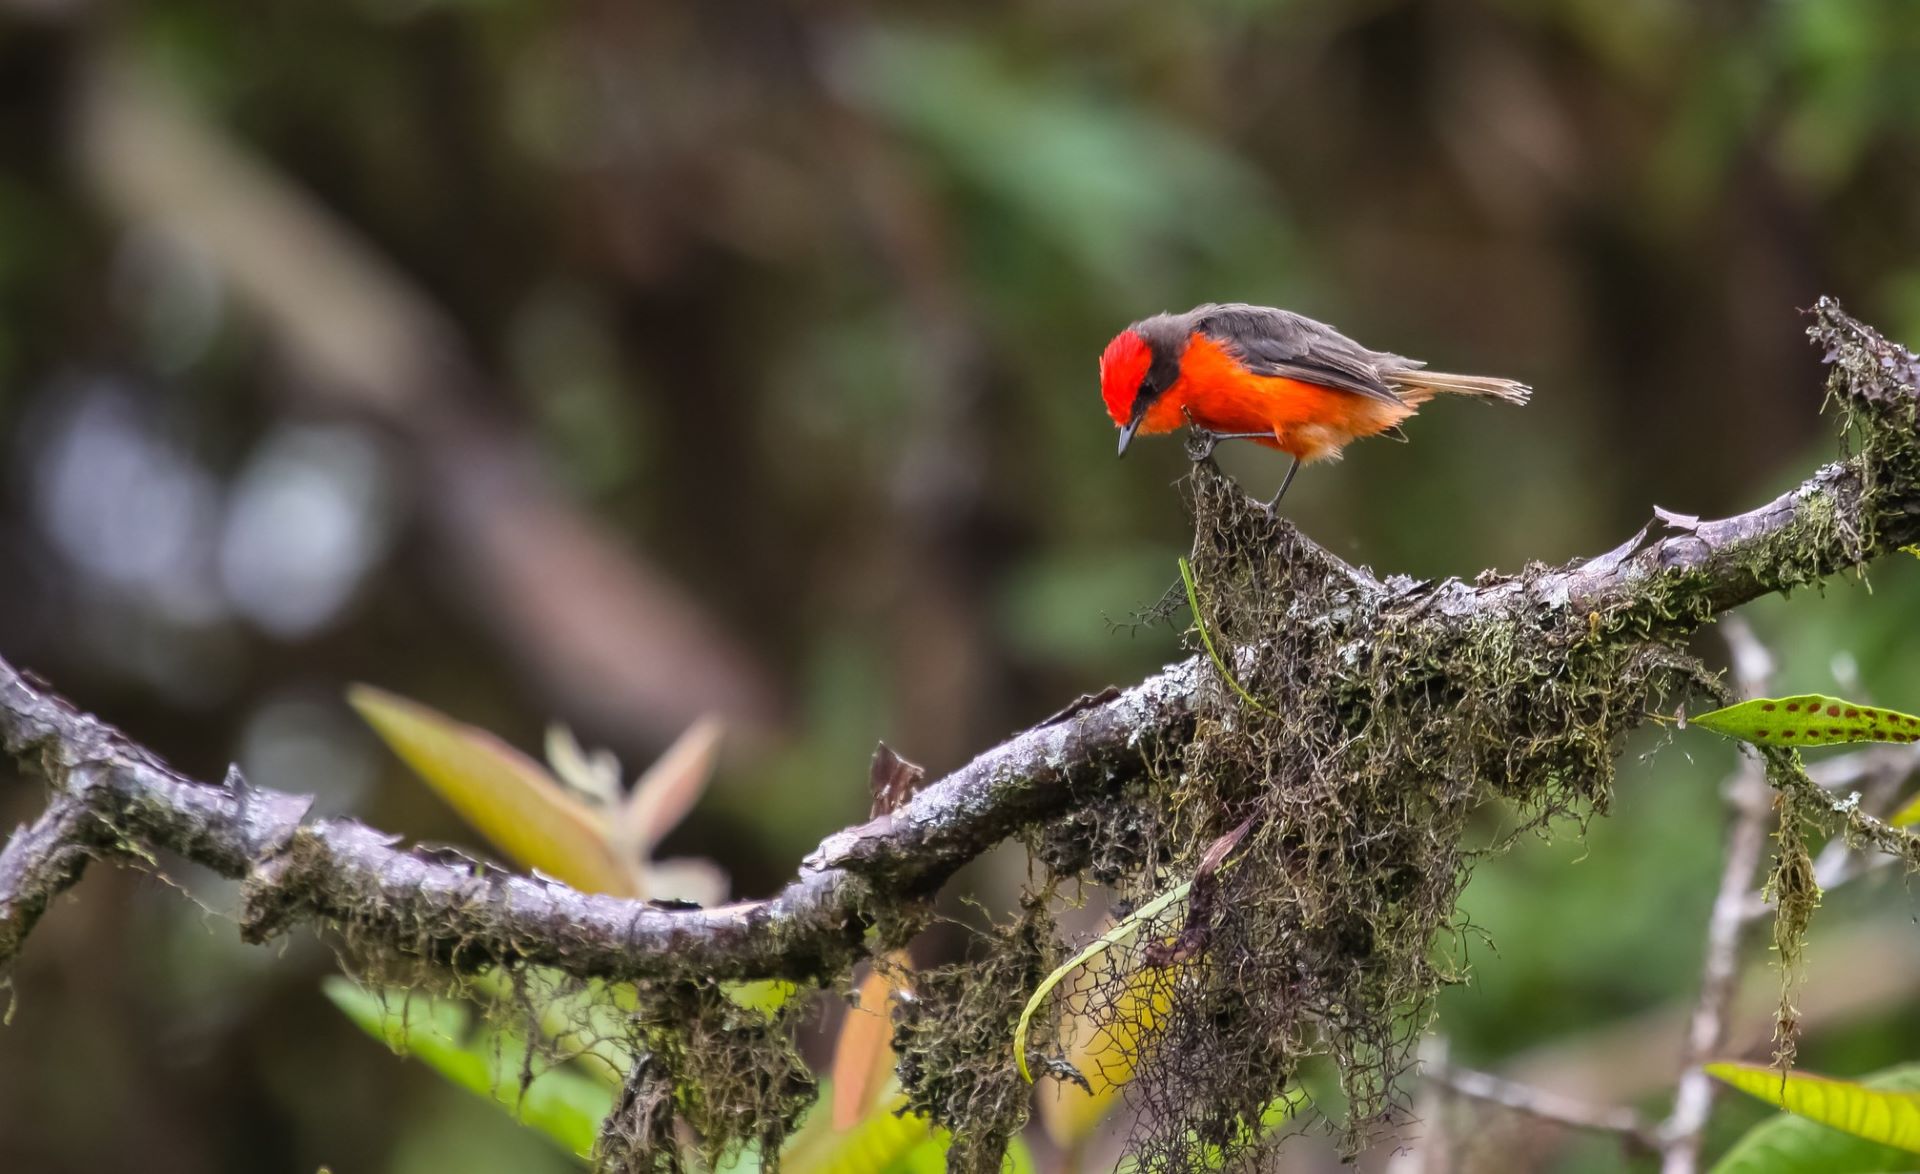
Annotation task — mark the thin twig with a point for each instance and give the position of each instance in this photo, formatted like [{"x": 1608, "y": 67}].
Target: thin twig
[
  {"x": 38, "y": 864},
  {"x": 1879, "y": 774},
  {"x": 1865, "y": 767},
  {"x": 1747, "y": 794},
  {"x": 1543, "y": 1105},
  {"x": 1430, "y": 1151}
]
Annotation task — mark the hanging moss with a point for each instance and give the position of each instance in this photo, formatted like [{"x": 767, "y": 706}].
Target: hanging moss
[
  {"x": 1377, "y": 724},
  {"x": 1795, "y": 895},
  {"x": 954, "y": 1036}
]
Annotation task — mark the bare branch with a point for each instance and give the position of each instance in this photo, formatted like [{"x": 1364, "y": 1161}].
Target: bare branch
[
  {"x": 1545, "y": 1106},
  {"x": 1876, "y": 774},
  {"x": 1747, "y": 795},
  {"x": 112, "y": 798},
  {"x": 110, "y": 791},
  {"x": 38, "y": 864}
]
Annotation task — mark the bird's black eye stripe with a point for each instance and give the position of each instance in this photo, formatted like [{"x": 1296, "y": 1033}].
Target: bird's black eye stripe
[
  {"x": 1144, "y": 397},
  {"x": 1161, "y": 375}
]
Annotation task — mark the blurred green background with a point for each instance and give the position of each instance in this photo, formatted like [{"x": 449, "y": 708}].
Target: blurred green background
[{"x": 623, "y": 362}]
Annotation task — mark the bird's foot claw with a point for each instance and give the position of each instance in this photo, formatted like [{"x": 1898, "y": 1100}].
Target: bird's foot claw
[{"x": 1200, "y": 444}]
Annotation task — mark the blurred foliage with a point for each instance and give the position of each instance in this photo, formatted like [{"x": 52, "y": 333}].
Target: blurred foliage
[
  {"x": 804, "y": 305},
  {"x": 1046, "y": 149}
]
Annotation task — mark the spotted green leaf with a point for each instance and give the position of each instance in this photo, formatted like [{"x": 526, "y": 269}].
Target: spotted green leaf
[
  {"x": 1809, "y": 720},
  {"x": 1831, "y": 1126}
]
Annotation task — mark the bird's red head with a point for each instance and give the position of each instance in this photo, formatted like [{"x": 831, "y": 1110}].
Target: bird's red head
[{"x": 1122, "y": 366}]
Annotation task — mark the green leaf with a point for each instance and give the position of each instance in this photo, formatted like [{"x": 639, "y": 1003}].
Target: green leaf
[
  {"x": 878, "y": 1144},
  {"x": 506, "y": 796},
  {"x": 583, "y": 1024},
  {"x": 765, "y": 995},
  {"x": 1809, "y": 720},
  {"x": 565, "y": 1105},
  {"x": 1121, "y": 931},
  {"x": 1883, "y": 1108}
]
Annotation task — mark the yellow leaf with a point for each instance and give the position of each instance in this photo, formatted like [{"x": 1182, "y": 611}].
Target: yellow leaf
[
  {"x": 1100, "y": 945},
  {"x": 1889, "y": 1118},
  {"x": 1106, "y": 1050},
  {"x": 506, "y": 796}
]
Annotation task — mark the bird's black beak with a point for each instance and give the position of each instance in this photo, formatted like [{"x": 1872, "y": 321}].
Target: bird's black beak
[{"x": 1126, "y": 434}]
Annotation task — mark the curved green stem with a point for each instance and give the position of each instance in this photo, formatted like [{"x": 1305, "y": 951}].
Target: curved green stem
[{"x": 1206, "y": 639}]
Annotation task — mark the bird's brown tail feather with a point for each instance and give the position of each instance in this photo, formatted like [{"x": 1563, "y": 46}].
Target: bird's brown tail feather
[{"x": 1417, "y": 387}]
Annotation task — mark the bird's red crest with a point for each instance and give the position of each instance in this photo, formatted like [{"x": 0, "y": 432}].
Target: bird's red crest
[{"x": 1122, "y": 366}]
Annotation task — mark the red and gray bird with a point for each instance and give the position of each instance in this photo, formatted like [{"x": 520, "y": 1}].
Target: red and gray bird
[{"x": 1275, "y": 377}]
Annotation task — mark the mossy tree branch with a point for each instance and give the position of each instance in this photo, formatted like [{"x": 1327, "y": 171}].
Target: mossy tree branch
[{"x": 112, "y": 800}]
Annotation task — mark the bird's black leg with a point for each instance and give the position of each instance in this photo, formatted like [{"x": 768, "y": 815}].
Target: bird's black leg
[
  {"x": 1201, "y": 444},
  {"x": 1284, "y": 483}
]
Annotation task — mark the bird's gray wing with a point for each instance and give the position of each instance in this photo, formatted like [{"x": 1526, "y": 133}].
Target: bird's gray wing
[{"x": 1292, "y": 346}]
